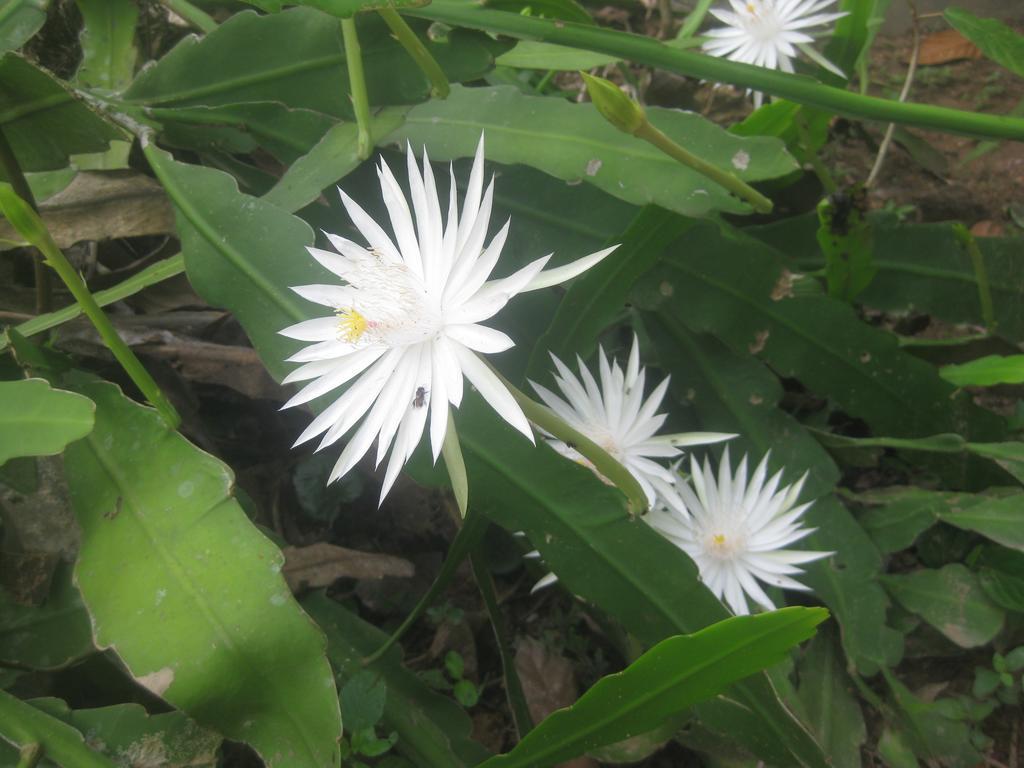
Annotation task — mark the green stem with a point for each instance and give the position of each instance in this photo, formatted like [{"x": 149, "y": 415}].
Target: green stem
[
  {"x": 439, "y": 87},
  {"x": 12, "y": 169},
  {"x": 197, "y": 17},
  {"x": 827, "y": 182},
  {"x": 513, "y": 687},
  {"x": 151, "y": 275},
  {"x": 30, "y": 755},
  {"x": 357, "y": 84},
  {"x": 643, "y": 50},
  {"x": 31, "y": 227},
  {"x": 23, "y": 725},
  {"x": 694, "y": 20},
  {"x": 456, "y": 466},
  {"x": 603, "y": 462},
  {"x": 730, "y": 181},
  {"x": 970, "y": 244},
  {"x": 470, "y": 533}
]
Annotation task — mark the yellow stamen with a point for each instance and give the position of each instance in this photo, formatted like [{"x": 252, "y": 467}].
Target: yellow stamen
[
  {"x": 718, "y": 539},
  {"x": 351, "y": 325}
]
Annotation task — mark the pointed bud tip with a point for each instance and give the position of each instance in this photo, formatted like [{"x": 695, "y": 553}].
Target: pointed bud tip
[{"x": 614, "y": 105}]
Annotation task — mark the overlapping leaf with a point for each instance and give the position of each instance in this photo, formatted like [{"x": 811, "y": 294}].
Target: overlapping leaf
[{"x": 39, "y": 421}]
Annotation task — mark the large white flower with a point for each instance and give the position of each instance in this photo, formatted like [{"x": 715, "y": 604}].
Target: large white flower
[
  {"x": 767, "y": 33},
  {"x": 616, "y": 416},
  {"x": 736, "y": 528},
  {"x": 404, "y": 323}
]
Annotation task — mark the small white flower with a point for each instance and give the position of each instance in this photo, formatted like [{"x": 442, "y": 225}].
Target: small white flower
[
  {"x": 736, "y": 530},
  {"x": 616, "y": 416},
  {"x": 405, "y": 320},
  {"x": 767, "y": 33}
]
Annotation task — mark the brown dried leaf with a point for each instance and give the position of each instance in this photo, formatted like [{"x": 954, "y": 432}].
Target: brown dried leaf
[
  {"x": 946, "y": 46},
  {"x": 102, "y": 206},
  {"x": 547, "y": 678},
  {"x": 320, "y": 564}
]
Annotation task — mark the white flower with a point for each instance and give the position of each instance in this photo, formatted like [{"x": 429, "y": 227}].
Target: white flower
[
  {"x": 404, "y": 322},
  {"x": 736, "y": 530},
  {"x": 767, "y": 33},
  {"x": 616, "y": 416}
]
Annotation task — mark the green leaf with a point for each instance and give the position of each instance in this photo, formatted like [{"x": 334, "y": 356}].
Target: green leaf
[
  {"x": 851, "y": 39},
  {"x": 829, "y": 706},
  {"x": 929, "y": 731},
  {"x": 300, "y": 62},
  {"x": 432, "y": 731},
  {"x": 951, "y": 600},
  {"x": 197, "y": 608},
  {"x": 986, "y": 371},
  {"x": 108, "y": 44},
  {"x": 42, "y": 121},
  {"x": 333, "y": 157},
  {"x": 1009, "y": 455},
  {"x": 46, "y": 636},
  {"x": 723, "y": 283},
  {"x": 1001, "y": 520},
  {"x": 1000, "y": 573},
  {"x": 566, "y": 10},
  {"x": 19, "y": 20},
  {"x": 22, "y": 725},
  {"x": 847, "y": 241},
  {"x": 346, "y": 9},
  {"x": 362, "y": 700},
  {"x": 530, "y": 54},
  {"x": 996, "y": 40},
  {"x": 895, "y": 750},
  {"x": 573, "y": 142},
  {"x": 735, "y": 392},
  {"x": 899, "y": 515},
  {"x": 39, "y": 421},
  {"x": 667, "y": 679}
]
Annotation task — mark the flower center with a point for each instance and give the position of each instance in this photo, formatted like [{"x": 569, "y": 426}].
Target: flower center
[
  {"x": 724, "y": 545},
  {"x": 351, "y": 325}
]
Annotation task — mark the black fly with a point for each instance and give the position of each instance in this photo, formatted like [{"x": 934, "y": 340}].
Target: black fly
[{"x": 420, "y": 400}]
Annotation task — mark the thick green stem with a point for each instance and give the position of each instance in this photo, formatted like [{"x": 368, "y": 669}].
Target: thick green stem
[
  {"x": 23, "y": 725},
  {"x": 439, "y": 87},
  {"x": 644, "y": 50},
  {"x": 12, "y": 169},
  {"x": 357, "y": 84},
  {"x": 30, "y": 755},
  {"x": 513, "y": 687},
  {"x": 31, "y": 227},
  {"x": 197, "y": 17},
  {"x": 731, "y": 182},
  {"x": 603, "y": 462}
]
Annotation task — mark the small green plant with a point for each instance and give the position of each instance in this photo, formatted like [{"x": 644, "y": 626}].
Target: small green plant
[
  {"x": 362, "y": 707},
  {"x": 465, "y": 691}
]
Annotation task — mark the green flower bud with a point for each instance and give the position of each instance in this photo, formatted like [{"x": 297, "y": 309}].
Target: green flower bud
[{"x": 616, "y": 107}]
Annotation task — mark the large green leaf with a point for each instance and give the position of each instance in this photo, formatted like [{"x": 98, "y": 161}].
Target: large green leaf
[
  {"x": 921, "y": 267},
  {"x": 951, "y": 600},
  {"x": 46, "y": 636},
  {"x": 432, "y": 730},
  {"x": 996, "y": 40},
  {"x": 722, "y": 282},
  {"x": 727, "y": 391},
  {"x": 573, "y": 142},
  {"x": 986, "y": 371},
  {"x": 42, "y": 121},
  {"x": 188, "y": 593},
  {"x": 529, "y": 54},
  {"x": 19, "y": 20},
  {"x": 108, "y": 43},
  {"x": 39, "y": 421},
  {"x": 296, "y": 57},
  {"x": 673, "y": 675},
  {"x": 829, "y": 705}
]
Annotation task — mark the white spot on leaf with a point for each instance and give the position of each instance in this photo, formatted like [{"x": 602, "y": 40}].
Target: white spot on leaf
[
  {"x": 593, "y": 166},
  {"x": 158, "y": 681},
  {"x": 741, "y": 160}
]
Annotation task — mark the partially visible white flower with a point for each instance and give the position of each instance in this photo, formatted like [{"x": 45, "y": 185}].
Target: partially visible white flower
[
  {"x": 405, "y": 319},
  {"x": 616, "y": 416},
  {"x": 736, "y": 530},
  {"x": 767, "y": 33}
]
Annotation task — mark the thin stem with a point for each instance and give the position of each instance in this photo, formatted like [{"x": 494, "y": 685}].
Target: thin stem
[
  {"x": 197, "y": 17},
  {"x": 883, "y": 149},
  {"x": 694, "y": 20},
  {"x": 23, "y": 725},
  {"x": 513, "y": 687},
  {"x": 12, "y": 169},
  {"x": 827, "y": 182},
  {"x": 548, "y": 421},
  {"x": 546, "y": 80},
  {"x": 357, "y": 84},
  {"x": 970, "y": 244},
  {"x": 469, "y": 535},
  {"x": 731, "y": 182},
  {"x": 31, "y": 227},
  {"x": 644, "y": 50},
  {"x": 439, "y": 87}
]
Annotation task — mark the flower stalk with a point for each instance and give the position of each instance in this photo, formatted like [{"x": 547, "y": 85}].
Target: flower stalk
[
  {"x": 28, "y": 223},
  {"x": 12, "y": 169},
  {"x": 357, "y": 84},
  {"x": 197, "y": 17},
  {"x": 439, "y": 87},
  {"x": 629, "y": 117}
]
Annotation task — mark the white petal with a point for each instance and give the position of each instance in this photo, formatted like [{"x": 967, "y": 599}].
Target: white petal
[
  {"x": 480, "y": 338},
  {"x": 558, "y": 275},
  {"x": 492, "y": 390},
  {"x": 317, "y": 329}
]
